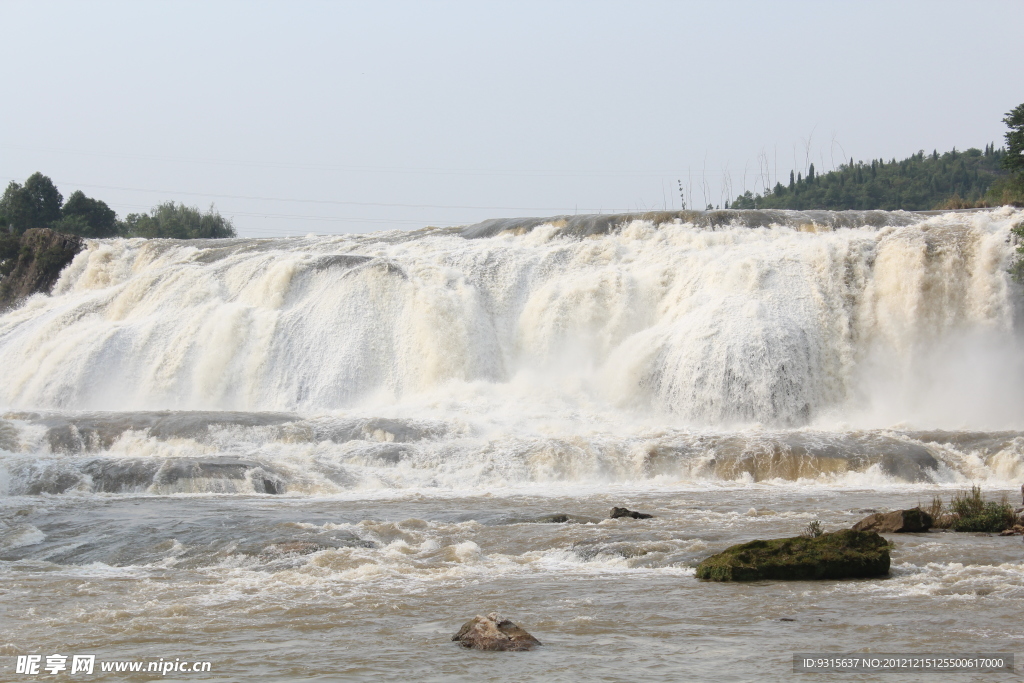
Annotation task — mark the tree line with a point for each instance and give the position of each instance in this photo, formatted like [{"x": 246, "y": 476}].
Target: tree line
[
  {"x": 953, "y": 180},
  {"x": 39, "y": 204}
]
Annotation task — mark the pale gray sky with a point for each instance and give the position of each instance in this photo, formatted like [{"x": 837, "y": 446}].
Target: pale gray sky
[{"x": 329, "y": 117}]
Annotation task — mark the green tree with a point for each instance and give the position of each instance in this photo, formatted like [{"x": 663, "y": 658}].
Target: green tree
[
  {"x": 177, "y": 221},
  {"x": 1014, "y": 159},
  {"x": 35, "y": 204},
  {"x": 1010, "y": 190},
  {"x": 87, "y": 217}
]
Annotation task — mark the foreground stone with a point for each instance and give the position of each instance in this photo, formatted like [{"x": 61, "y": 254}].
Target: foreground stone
[
  {"x": 616, "y": 513},
  {"x": 31, "y": 264},
  {"x": 494, "y": 633},
  {"x": 911, "y": 521},
  {"x": 843, "y": 554}
]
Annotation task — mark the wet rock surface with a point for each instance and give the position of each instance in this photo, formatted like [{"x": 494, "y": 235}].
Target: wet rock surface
[
  {"x": 560, "y": 518},
  {"x": 617, "y": 513},
  {"x": 914, "y": 520},
  {"x": 840, "y": 555},
  {"x": 495, "y": 633}
]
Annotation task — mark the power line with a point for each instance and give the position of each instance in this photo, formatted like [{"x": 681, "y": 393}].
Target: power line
[
  {"x": 372, "y": 169},
  {"x": 264, "y": 214},
  {"x": 315, "y": 201}
]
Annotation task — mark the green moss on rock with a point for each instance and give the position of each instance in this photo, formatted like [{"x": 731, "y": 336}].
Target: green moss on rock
[{"x": 843, "y": 554}]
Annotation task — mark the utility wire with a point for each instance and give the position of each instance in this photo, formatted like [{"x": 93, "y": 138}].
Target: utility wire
[{"x": 370, "y": 169}]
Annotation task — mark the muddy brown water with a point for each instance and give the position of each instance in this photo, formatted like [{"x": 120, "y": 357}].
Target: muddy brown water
[{"x": 374, "y": 587}]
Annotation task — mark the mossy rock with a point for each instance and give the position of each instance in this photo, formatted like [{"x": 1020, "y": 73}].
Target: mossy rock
[{"x": 843, "y": 554}]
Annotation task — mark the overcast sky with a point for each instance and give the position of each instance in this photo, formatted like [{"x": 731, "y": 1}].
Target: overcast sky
[{"x": 329, "y": 117}]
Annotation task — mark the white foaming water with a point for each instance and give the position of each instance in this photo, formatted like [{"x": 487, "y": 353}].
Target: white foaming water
[
  {"x": 651, "y": 352},
  {"x": 773, "y": 325}
]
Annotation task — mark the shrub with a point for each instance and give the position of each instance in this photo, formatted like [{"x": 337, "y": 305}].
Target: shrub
[
  {"x": 972, "y": 513},
  {"x": 813, "y": 530}
]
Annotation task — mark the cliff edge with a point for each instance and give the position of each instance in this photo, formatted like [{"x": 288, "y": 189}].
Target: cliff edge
[{"x": 31, "y": 263}]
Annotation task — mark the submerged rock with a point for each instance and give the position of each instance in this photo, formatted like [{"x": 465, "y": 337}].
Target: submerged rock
[
  {"x": 914, "y": 520},
  {"x": 625, "y": 512},
  {"x": 843, "y": 554},
  {"x": 494, "y": 632},
  {"x": 565, "y": 519},
  {"x": 294, "y": 548}
]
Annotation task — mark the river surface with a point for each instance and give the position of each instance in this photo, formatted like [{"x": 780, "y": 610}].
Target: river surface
[{"x": 315, "y": 458}]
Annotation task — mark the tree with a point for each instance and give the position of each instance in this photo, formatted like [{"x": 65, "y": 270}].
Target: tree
[
  {"x": 35, "y": 204},
  {"x": 87, "y": 217},
  {"x": 1014, "y": 159},
  {"x": 177, "y": 221}
]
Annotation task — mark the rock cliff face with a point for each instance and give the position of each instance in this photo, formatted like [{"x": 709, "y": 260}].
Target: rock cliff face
[{"x": 32, "y": 263}]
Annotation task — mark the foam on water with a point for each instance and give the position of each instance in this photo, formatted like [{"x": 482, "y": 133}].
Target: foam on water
[
  {"x": 847, "y": 349},
  {"x": 772, "y": 324}
]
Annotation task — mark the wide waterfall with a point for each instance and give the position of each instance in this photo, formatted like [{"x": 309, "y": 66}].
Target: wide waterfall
[
  {"x": 777, "y": 324},
  {"x": 686, "y": 345}
]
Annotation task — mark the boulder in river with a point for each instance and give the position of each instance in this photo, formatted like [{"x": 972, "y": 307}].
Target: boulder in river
[
  {"x": 494, "y": 632},
  {"x": 625, "y": 512},
  {"x": 845, "y": 554},
  {"x": 914, "y": 520}
]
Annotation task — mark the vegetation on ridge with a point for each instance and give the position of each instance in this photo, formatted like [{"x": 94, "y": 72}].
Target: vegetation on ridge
[
  {"x": 39, "y": 204},
  {"x": 953, "y": 180}
]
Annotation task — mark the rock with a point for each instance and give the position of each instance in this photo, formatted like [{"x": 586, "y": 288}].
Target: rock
[
  {"x": 564, "y": 519},
  {"x": 625, "y": 512},
  {"x": 914, "y": 520},
  {"x": 294, "y": 548},
  {"x": 32, "y": 263},
  {"x": 1016, "y": 530},
  {"x": 494, "y": 633},
  {"x": 843, "y": 554}
]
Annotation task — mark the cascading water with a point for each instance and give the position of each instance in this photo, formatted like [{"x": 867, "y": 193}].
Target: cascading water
[{"x": 558, "y": 349}]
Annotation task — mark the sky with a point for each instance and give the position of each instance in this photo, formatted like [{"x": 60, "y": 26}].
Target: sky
[{"x": 334, "y": 117}]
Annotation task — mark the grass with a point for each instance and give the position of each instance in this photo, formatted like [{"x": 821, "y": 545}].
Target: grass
[{"x": 968, "y": 511}]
